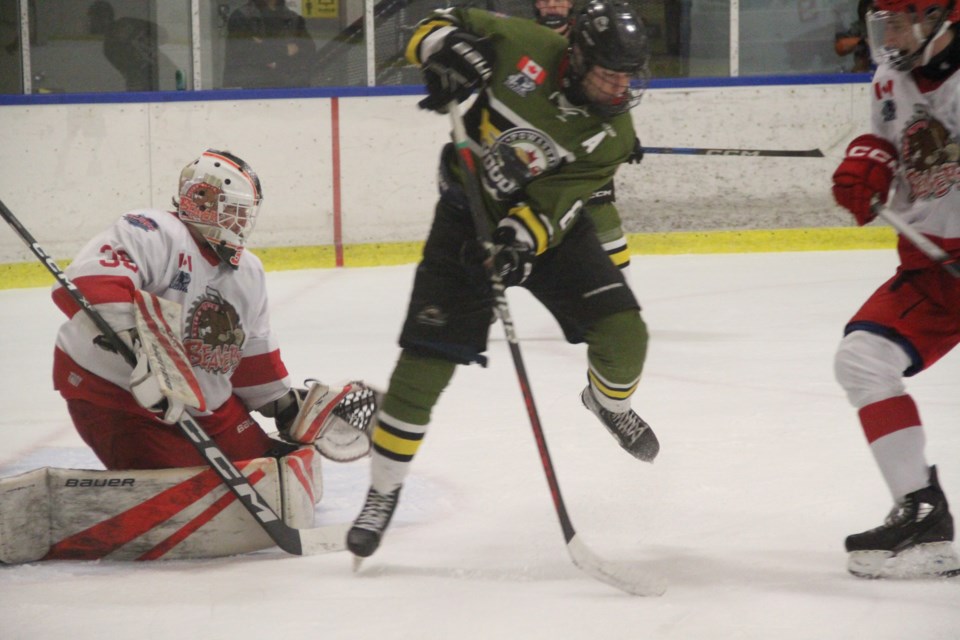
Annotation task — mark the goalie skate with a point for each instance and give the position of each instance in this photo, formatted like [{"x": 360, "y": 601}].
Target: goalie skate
[{"x": 915, "y": 541}]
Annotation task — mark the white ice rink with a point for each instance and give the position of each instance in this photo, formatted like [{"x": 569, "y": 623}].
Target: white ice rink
[{"x": 763, "y": 471}]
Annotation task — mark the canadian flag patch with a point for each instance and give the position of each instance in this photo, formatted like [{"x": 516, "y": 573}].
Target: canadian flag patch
[{"x": 532, "y": 70}]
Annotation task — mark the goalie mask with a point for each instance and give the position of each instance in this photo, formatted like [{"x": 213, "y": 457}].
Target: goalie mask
[
  {"x": 608, "y": 58},
  {"x": 220, "y": 197},
  {"x": 902, "y": 33}
]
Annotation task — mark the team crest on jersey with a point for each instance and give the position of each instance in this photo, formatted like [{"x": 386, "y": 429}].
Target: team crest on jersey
[
  {"x": 530, "y": 76},
  {"x": 520, "y": 84},
  {"x": 929, "y": 155},
  {"x": 518, "y": 156},
  {"x": 888, "y": 111},
  {"x": 141, "y": 221},
  {"x": 181, "y": 281},
  {"x": 213, "y": 334}
]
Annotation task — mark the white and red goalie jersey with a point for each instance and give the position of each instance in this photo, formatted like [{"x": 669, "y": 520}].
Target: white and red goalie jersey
[
  {"x": 225, "y": 320},
  {"x": 919, "y": 118}
]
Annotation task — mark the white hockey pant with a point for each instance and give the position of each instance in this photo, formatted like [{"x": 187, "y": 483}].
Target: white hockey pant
[{"x": 870, "y": 368}]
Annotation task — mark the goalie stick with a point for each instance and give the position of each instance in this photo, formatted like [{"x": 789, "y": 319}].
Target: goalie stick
[
  {"x": 924, "y": 244},
  {"x": 639, "y": 583},
  {"x": 294, "y": 541},
  {"x": 748, "y": 153}
]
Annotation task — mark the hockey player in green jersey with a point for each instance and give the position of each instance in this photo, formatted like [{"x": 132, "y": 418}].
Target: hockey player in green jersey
[
  {"x": 549, "y": 126},
  {"x": 601, "y": 207}
]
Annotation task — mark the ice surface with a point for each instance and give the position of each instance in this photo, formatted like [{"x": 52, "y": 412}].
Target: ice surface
[{"x": 763, "y": 471}]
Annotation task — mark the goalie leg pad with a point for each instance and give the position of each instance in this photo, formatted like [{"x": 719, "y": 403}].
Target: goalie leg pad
[{"x": 75, "y": 514}]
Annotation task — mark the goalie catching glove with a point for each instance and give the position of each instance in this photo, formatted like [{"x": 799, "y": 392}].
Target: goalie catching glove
[{"x": 336, "y": 420}]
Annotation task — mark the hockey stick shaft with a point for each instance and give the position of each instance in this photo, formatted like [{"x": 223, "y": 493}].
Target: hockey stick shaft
[
  {"x": 502, "y": 308},
  {"x": 748, "y": 153},
  {"x": 924, "y": 244},
  {"x": 287, "y": 538},
  {"x": 580, "y": 554}
]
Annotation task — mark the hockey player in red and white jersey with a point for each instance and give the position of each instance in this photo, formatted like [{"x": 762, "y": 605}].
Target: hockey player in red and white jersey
[
  {"x": 911, "y": 158},
  {"x": 191, "y": 260}
]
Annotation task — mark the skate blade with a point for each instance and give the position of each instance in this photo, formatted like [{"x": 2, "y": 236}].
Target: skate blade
[
  {"x": 932, "y": 560},
  {"x": 357, "y": 561}
]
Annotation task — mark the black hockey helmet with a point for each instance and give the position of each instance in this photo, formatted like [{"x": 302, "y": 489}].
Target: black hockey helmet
[{"x": 609, "y": 34}]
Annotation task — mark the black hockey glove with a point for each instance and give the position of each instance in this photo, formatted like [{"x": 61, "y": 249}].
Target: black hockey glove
[
  {"x": 284, "y": 410},
  {"x": 512, "y": 258},
  {"x": 636, "y": 156},
  {"x": 463, "y": 63}
]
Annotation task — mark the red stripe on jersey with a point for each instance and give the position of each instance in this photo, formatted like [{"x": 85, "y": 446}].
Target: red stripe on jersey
[
  {"x": 887, "y": 416},
  {"x": 97, "y": 290},
  {"x": 261, "y": 369}
]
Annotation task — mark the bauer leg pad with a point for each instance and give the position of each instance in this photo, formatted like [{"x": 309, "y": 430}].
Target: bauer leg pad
[{"x": 75, "y": 514}]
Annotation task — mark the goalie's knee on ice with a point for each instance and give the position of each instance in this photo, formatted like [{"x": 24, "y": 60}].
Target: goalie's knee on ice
[{"x": 870, "y": 368}]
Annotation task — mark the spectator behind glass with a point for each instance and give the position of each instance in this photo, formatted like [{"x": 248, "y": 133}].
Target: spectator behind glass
[
  {"x": 267, "y": 46},
  {"x": 130, "y": 44},
  {"x": 854, "y": 41}
]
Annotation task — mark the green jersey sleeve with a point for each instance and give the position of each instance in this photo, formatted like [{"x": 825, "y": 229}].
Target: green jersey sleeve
[{"x": 540, "y": 156}]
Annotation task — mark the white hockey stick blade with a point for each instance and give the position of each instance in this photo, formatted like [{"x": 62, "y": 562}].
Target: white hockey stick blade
[
  {"x": 636, "y": 582},
  {"x": 326, "y": 539}
]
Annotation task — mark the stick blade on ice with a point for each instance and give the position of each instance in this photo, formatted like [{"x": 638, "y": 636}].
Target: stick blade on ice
[
  {"x": 325, "y": 539},
  {"x": 634, "y": 581}
]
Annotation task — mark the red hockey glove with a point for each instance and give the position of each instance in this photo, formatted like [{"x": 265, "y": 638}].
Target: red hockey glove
[{"x": 865, "y": 174}]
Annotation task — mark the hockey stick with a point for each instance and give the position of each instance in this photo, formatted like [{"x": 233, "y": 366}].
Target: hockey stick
[
  {"x": 294, "y": 541},
  {"x": 924, "y": 244},
  {"x": 749, "y": 153},
  {"x": 633, "y": 582}
]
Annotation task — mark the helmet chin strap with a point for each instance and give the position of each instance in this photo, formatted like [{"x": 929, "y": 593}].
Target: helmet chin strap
[
  {"x": 928, "y": 45},
  {"x": 924, "y": 52}
]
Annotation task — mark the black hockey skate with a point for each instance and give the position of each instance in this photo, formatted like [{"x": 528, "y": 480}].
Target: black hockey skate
[
  {"x": 628, "y": 428},
  {"x": 367, "y": 530},
  {"x": 913, "y": 542}
]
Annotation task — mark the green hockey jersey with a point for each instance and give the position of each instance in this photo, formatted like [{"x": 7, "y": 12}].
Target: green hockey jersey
[{"x": 541, "y": 157}]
